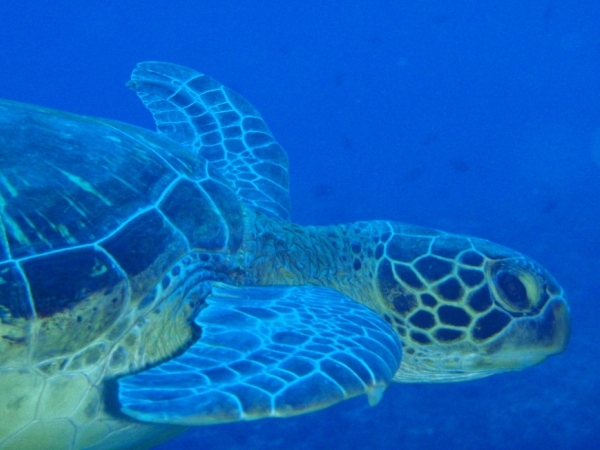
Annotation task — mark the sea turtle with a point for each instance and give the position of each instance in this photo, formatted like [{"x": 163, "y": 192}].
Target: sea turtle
[{"x": 153, "y": 281}]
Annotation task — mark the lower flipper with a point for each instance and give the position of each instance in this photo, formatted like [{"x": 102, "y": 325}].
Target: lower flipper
[{"x": 268, "y": 352}]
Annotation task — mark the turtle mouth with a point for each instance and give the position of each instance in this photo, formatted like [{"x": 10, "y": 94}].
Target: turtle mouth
[
  {"x": 527, "y": 341},
  {"x": 530, "y": 340}
]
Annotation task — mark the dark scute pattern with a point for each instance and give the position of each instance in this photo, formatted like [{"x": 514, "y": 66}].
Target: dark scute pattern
[
  {"x": 450, "y": 289},
  {"x": 490, "y": 324},
  {"x": 13, "y": 292},
  {"x": 428, "y": 300},
  {"x": 59, "y": 281},
  {"x": 420, "y": 338},
  {"x": 76, "y": 187},
  {"x": 423, "y": 319},
  {"x": 192, "y": 212},
  {"x": 471, "y": 277},
  {"x": 407, "y": 275},
  {"x": 449, "y": 247},
  {"x": 471, "y": 259},
  {"x": 480, "y": 300},
  {"x": 392, "y": 291},
  {"x": 406, "y": 248},
  {"x": 513, "y": 289},
  {"x": 448, "y": 335},
  {"x": 452, "y": 315},
  {"x": 433, "y": 269},
  {"x": 231, "y": 212},
  {"x": 139, "y": 243},
  {"x": 404, "y": 303}
]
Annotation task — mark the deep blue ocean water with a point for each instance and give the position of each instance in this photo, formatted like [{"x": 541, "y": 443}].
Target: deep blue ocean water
[{"x": 479, "y": 118}]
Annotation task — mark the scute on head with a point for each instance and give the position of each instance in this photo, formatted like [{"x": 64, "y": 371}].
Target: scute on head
[{"x": 467, "y": 308}]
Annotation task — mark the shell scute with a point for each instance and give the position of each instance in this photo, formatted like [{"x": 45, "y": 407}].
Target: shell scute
[
  {"x": 58, "y": 281},
  {"x": 14, "y": 301}
]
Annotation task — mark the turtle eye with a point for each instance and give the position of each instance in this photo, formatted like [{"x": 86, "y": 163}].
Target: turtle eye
[{"x": 515, "y": 292}]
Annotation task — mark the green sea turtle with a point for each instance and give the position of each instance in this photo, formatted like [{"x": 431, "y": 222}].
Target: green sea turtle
[{"x": 153, "y": 281}]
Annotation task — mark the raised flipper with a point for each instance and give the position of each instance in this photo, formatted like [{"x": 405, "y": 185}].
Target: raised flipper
[
  {"x": 219, "y": 125},
  {"x": 268, "y": 352}
]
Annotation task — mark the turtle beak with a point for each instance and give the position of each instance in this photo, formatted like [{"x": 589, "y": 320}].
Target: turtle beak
[
  {"x": 525, "y": 342},
  {"x": 556, "y": 321},
  {"x": 530, "y": 340}
]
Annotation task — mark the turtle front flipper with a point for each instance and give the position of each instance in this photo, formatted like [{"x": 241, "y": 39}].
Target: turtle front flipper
[{"x": 268, "y": 352}]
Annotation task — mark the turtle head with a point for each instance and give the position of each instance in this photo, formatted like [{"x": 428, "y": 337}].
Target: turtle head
[{"x": 466, "y": 308}]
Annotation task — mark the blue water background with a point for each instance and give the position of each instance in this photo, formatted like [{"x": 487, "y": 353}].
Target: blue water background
[{"x": 477, "y": 117}]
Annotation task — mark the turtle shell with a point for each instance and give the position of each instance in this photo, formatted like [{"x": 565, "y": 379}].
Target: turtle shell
[{"x": 94, "y": 213}]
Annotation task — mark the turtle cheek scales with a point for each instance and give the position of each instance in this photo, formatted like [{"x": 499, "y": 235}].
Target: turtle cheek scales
[
  {"x": 433, "y": 269},
  {"x": 269, "y": 363},
  {"x": 435, "y": 289},
  {"x": 490, "y": 324},
  {"x": 392, "y": 291}
]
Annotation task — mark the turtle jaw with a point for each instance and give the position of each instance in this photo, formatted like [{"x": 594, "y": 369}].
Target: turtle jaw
[
  {"x": 530, "y": 340},
  {"x": 524, "y": 343}
]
